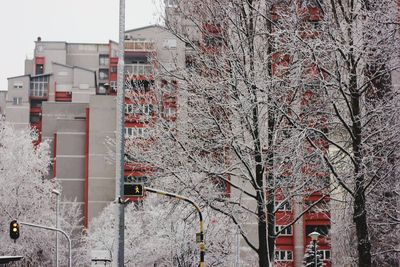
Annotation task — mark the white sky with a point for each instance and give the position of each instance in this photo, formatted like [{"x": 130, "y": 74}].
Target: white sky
[{"x": 86, "y": 21}]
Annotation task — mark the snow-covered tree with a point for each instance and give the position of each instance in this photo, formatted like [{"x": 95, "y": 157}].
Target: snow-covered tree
[
  {"x": 352, "y": 54},
  {"x": 227, "y": 148},
  {"x": 25, "y": 195},
  {"x": 274, "y": 96},
  {"x": 309, "y": 256},
  {"x": 162, "y": 232}
]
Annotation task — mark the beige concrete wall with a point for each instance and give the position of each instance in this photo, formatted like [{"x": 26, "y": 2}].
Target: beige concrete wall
[
  {"x": 68, "y": 122},
  {"x": 83, "y": 85},
  {"x": 52, "y": 51},
  {"x": 18, "y": 115},
  {"x": 165, "y": 56},
  {"x": 102, "y": 125},
  {"x": 3, "y": 95}
]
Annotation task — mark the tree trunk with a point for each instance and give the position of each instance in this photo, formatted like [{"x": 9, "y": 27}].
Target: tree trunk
[
  {"x": 360, "y": 220},
  {"x": 360, "y": 212}
]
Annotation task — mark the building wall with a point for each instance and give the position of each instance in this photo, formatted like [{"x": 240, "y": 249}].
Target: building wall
[
  {"x": 18, "y": 113},
  {"x": 54, "y": 114},
  {"x": 3, "y": 95},
  {"x": 101, "y": 175},
  {"x": 165, "y": 54}
]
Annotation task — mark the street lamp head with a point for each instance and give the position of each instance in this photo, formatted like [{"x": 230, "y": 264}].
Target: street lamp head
[
  {"x": 56, "y": 192},
  {"x": 314, "y": 235}
]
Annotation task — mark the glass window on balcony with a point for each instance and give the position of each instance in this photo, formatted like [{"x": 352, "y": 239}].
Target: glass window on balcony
[
  {"x": 104, "y": 60},
  {"x": 39, "y": 86},
  {"x": 103, "y": 74}
]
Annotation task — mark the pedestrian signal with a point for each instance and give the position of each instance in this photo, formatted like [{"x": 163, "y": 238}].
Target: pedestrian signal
[{"x": 133, "y": 190}]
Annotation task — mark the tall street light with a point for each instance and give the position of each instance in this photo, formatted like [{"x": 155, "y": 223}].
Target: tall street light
[
  {"x": 120, "y": 141},
  {"x": 314, "y": 237},
  {"x": 57, "y": 193}
]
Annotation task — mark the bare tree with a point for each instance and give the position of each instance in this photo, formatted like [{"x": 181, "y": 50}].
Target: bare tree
[
  {"x": 27, "y": 196},
  {"x": 163, "y": 233}
]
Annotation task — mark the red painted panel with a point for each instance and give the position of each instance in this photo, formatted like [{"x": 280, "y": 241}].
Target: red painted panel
[
  {"x": 55, "y": 155},
  {"x": 86, "y": 193},
  {"x": 39, "y": 60},
  {"x": 63, "y": 96}
]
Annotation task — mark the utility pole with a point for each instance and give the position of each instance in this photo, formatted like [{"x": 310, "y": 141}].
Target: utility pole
[{"x": 120, "y": 141}]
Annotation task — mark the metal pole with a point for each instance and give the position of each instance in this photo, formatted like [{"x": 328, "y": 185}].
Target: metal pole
[
  {"x": 202, "y": 246},
  {"x": 120, "y": 141},
  {"x": 57, "y": 230},
  {"x": 238, "y": 247},
  {"x": 315, "y": 252},
  {"x": 57, "y": 193}
]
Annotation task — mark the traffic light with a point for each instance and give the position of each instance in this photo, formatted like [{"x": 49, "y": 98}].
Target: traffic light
[
  {"x": 133, "y": 190},
  {"x": 14, "y": 230}
]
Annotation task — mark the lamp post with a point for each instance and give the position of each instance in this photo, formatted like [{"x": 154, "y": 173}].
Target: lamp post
[
  {"x": 57, "y": 193},
  {"x": 314, "y": 237}
]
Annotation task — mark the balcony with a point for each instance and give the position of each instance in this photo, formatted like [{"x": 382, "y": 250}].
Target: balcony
[
  {"x": 139, "y": 46},
  {"x": 38, "y": 94},
  {"x": 139, "y": 69}
]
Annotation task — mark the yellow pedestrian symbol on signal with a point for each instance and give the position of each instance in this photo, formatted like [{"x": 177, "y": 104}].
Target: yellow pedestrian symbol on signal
[{"x": 134, "y": 190}]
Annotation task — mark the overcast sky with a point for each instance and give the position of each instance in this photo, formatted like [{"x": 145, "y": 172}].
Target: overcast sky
[{"x": 86, "y": 21}]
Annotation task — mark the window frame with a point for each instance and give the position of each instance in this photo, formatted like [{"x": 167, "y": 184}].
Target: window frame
[
  {"x": 17, "y": 101},
  {"x": 289, "y": 229},
  {"x": 286, "y": 254}
]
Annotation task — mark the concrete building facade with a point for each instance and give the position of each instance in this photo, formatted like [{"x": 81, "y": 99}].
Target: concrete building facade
[{"x": 67, "y": 93}]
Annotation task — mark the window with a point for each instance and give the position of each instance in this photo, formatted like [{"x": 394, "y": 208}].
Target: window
[
  {"x": 17, "y": 101},
  {"x": 135, "y": 179},
  {"x": 102, "y": 88},
  {"x": 113, "y": 85},
  {"x": 103, "y": 60},
  {"x": 39, "y": 86},
  {"x": 39, "y": 69},
  {"x": 321, "y": 229},
  {"x": 114, "y": 69},
  {"x": 169, "y": 112},
  {"x": 286, "y": 232},
  {"x": 169, "y": 44},
  {"x": 18, "y": 85},
  {"x": 325, "y": 254},
  {"x": 134, "y": 109},
  {"x": 283, "y": 255},
  {"x": 137, "y": 132},
  {"x": 103, "y": 74},
  {"x": 283, "y": 206},
  {"x": 321, "y": 206}
]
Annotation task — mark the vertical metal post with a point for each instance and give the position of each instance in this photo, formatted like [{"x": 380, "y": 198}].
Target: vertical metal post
[
  {"x": 58, "y": 230},
  {"x": 315, "y": 252},
  {"x": 238, "y": 247},
  {"x": 57, "y": 193},
  {"x": 120, "y": 141}
]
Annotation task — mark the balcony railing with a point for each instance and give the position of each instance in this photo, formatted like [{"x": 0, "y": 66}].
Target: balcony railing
[
  {"x": 131, "y": 45},
  {"x": 38, "y": 93},
  {"x": 139, "y": 69}
]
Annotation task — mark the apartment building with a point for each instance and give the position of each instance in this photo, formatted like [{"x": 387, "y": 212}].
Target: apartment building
[
  {"x": 290, "y": 244},
  {"x": 67, "y": 94}
]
